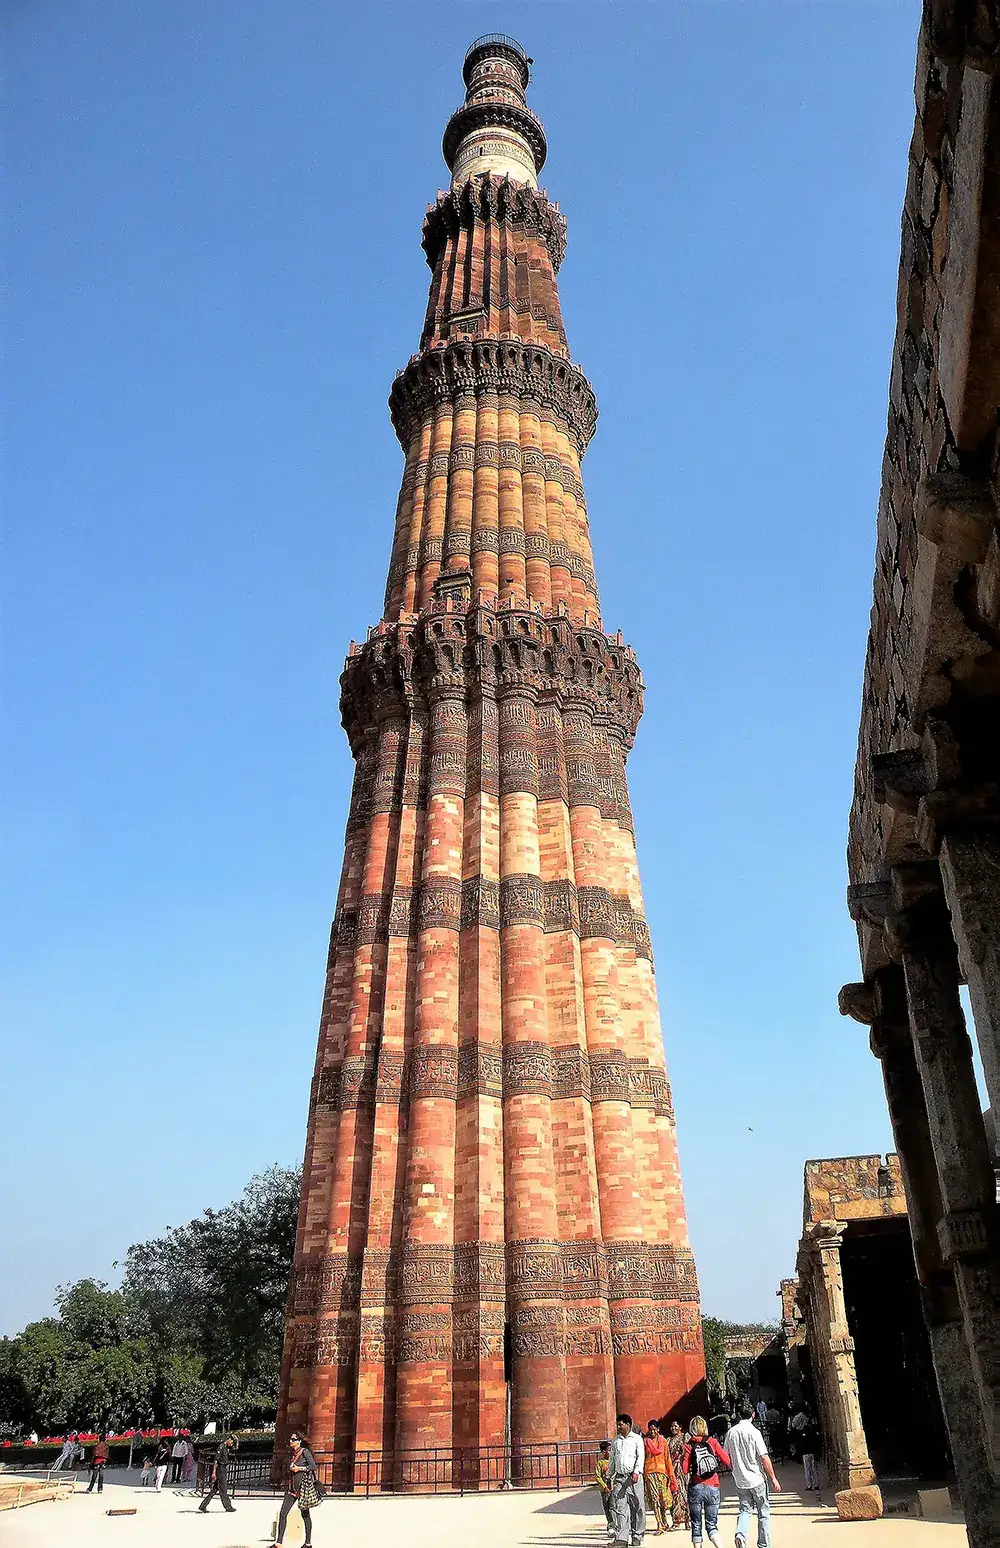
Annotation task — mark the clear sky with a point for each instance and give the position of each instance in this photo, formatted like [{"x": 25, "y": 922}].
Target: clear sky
[{"x": 216, "y": 272}]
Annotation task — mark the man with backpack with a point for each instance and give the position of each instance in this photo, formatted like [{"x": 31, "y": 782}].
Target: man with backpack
[
  {"x": 750, "y": 1462},
  {"x": 625, "y": 1475},
  {"x": 702, "y": 1458}
]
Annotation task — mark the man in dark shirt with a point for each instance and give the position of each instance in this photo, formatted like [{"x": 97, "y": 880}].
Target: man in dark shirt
[
  {"x": 220, "y": 1475},
  {"x": 98, "y": 1463}
]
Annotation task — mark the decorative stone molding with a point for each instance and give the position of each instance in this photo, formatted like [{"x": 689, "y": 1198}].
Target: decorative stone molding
[
  {"x": 485, "y": 652},
  {"x": 498, "y": 200},
  {"x": 531, "y": 373},
  {"x": 474, "y": 116}
]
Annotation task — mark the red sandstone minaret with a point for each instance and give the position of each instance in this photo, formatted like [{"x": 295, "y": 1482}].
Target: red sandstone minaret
[{"x": 491, "y": 1190}]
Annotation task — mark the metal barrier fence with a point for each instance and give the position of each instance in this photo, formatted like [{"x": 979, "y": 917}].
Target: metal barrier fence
[{"x": 431, "y": 1470}]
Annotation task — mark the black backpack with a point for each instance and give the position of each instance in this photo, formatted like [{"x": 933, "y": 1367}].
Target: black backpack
[{"x": 703, "y": 1460}]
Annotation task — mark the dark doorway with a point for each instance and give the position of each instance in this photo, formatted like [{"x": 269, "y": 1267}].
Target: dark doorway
[{"x": 897, "y": 1389}]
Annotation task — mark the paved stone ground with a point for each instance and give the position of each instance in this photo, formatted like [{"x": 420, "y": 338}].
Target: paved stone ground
[{"x": 529, "y": 1520}]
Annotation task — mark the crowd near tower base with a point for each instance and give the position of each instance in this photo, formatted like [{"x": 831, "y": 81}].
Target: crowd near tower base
[{"x": 492, "y": 1247}]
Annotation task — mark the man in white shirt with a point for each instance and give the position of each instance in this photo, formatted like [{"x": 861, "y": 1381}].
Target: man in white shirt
[
  {"x": 628, "y": 1503},
  {"x": 178, "y": 1453},
  {"x": 750, "y": 1462}
]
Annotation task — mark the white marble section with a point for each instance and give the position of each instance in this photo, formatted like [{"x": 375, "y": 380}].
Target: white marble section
[{"x": 499, "y": 151}]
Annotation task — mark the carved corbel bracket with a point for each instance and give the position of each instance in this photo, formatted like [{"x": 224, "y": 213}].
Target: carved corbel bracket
[
  {"x": 897, "y": 905},
  {"x": 858, "y": 1002},
  {"x": 957, "y": 513}
]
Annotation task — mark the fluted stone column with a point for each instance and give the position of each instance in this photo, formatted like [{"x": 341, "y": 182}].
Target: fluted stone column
[
  {"x": 832, "y": 1349},
  {"x": 969, "y": 1230},
  {"x": 883, "y": 1006}
]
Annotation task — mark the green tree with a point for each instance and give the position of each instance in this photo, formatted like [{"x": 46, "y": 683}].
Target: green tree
[
  {"x": 194, "y": 1332},
  {"x": 713, "y": 1334},
  {"x": 215, "y": 1289}
]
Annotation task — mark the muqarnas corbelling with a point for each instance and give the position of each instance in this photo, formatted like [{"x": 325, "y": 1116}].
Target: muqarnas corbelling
[
  {"x": 532, "y": 374},
  {"x": 498, "y": 200}
]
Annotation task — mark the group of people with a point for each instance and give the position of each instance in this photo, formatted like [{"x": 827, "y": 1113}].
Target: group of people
[
  {"x": 676, "y": 1477},
  {"x": 179, "y": 1459}
]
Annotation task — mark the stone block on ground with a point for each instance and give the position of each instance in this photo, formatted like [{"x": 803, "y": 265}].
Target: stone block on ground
[
  {"x": 863, "y": 1504},
  {"x": 935, "y": 1504}
]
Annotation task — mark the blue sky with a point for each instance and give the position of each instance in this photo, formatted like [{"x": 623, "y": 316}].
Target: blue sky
[{"x": 215, "y": 274}]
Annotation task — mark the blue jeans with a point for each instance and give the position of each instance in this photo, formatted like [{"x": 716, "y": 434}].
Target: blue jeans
[
  {"x": 703, "y": 1499},
  {"x": 755, "y": 1500}
]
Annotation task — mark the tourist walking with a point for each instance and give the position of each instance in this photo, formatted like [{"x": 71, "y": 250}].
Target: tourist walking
[
  {"x": 178, "y": 1455},
  {"x": 809, "y": 1438},
  {"x": 702, "y": 1457},
  {"x": 190, "y": 1467},
  {"x": 98, "y": 1463},
  {"x": 67, "y": 1454},
  {"x": 304, "y": 1490},
  {"x": 147, "y": 1471},
  {"x": 628, "y": 1460},
  {"x": 601, "y": 1473},
  {"x": 676, "y": 1445},
  {"x": 161, "y": 1462},
  {"x": 220, "y": 1475},
  {"x": 752, "y": 1471},
  {"x": 658, "y": 1477}
]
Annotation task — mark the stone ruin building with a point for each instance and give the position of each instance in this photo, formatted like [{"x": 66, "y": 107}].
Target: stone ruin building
[
  {"x": 854, "y": 1336},
  {"x": 924, "y": 849},
  {"x": 492, "y": 1241}
]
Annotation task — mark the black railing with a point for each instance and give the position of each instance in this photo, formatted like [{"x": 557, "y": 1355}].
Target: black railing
[
  {"x": 496, "y": 37},
  {"x": 429, "y": 1470}
]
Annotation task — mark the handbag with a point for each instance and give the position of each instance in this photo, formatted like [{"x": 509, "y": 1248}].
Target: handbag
[{"x": 309, "y": 1495}]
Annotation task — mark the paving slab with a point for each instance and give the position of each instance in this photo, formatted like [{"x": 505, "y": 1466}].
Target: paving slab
[{"x": 571, "y": 1519}]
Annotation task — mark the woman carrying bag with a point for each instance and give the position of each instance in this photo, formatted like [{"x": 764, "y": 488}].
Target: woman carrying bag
[{"x": 305, "y": 1490}]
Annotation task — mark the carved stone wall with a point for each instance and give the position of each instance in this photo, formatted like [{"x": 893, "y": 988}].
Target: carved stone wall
[{"x": 924, "y": 845}]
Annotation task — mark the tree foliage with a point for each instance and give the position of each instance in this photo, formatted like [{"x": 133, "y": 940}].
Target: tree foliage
[
  {"x": 219, "y": 1284},
  {"x": 728, "y": 1377},
  {"x": 194, "y": 1332}
]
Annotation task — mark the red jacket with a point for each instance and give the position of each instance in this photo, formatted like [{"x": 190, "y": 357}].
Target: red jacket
[{"x": 719, "y": 1452}]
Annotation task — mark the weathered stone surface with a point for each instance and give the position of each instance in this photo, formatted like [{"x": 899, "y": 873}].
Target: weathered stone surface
[
  {"x": 859, "y": 1504},
  {"x": 922, "y": 850}
]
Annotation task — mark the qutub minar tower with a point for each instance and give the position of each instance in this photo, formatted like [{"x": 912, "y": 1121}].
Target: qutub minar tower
[{"x": 491, "y": 1192}]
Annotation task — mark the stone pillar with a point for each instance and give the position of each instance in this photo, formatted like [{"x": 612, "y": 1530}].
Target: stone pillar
[
  {"x": 883, "y": 1006},
  {"x": 970, "y": 873},
  {"x": 968, "y": 1228},
  {"x": 833, "y": 1353}
]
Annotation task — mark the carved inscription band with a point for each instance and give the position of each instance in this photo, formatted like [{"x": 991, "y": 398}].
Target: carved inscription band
[
  {"x": 489, "y": 1272},
  {"x": 478, "y": 1334},
  {"x": 480, "y": 1069},
  {"x": 447, "y": 904}
]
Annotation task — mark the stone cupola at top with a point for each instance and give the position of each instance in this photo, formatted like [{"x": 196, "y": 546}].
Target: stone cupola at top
[{"x": 494, "y": 130}]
